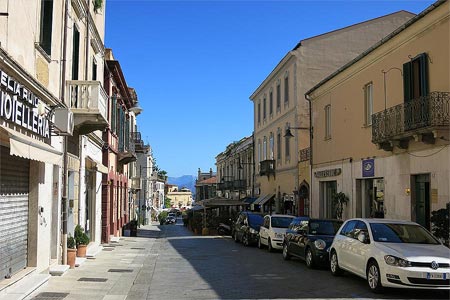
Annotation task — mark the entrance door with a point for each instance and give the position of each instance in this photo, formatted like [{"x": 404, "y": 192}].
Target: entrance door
[
  {"x": 327, "y": 190},
  {"x": 421, "y": 200}
]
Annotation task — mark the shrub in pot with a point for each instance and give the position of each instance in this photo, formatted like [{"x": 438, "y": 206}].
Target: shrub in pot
[
  {"x": 82, "y": 240},
  {"x": 71, "y": 251}
]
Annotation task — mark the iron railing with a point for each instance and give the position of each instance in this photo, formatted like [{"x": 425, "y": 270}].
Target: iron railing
[{"x": 401, "y": 120}]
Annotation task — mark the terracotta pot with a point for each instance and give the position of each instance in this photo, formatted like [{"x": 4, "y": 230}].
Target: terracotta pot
[
  {"x": 81, "y": 250},
  {"x": 71, "y": 255}
]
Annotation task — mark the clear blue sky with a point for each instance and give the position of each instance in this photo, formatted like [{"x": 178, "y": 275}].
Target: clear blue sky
[{"x": 194, "y": 64}]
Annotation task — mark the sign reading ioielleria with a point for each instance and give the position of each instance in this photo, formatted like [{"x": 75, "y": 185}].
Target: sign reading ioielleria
[{"x": 19, "y": 105}]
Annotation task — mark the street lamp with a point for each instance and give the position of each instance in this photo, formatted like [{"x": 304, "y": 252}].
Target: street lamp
[{"x": 288, "y": 132}]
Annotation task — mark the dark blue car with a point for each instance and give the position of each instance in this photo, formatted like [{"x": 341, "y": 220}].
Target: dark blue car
[
  {"x": 309, "y": 239},
  {"x": 246, "y": 227}
]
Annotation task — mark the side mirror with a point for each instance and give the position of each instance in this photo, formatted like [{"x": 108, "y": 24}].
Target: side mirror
[{"x": 363, "y": 237}]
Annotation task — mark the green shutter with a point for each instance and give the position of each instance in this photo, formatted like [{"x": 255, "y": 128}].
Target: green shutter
[
  {"x": 423, "y": 61},
  {"x": 407, "y": 87}
]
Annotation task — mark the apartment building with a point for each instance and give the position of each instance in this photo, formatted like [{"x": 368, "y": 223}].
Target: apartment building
[
  {"x": 381, "y": 125},
  {"x": 279, "y": 105}
]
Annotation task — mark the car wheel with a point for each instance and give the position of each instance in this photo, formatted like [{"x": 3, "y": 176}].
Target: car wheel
[
  {"x": 309, "y": 259},
  {"x": 235, "y": 238},
  {"x": 260, "y": 246},
  {"x": 286, "y": 255},
  {"x": 334, "y": 264},
  {"x": 245, "y": 240},
  {"x": 269, "y": 245},
  {"x": 373, "y": 277}
]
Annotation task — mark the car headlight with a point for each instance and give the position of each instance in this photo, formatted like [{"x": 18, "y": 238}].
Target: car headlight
[
  {"x": 279, "y": 235},
  {"x": 396, "y": 261},
  {"x": 253, "y": 231},
  {"x": 320, "y": 244}
]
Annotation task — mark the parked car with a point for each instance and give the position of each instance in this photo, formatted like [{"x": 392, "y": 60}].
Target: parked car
[
  {"x": 246, "y": 227},
  {"x": 271, "y": 233},
  {"x": 391, "y": 253},
  {"x": 171, "y": 220},
  {"x": 310, "y": 239}
]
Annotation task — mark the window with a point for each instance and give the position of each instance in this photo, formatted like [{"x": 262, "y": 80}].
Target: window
[
  {"x": 286, "y": 89},
  {"x": 75, "y": 52},
  {"x": 264, "y": 108},
  {"x": 45, "y": 38},
  {"x": 288, "y": 147},
  {"x": 271, "y": 145},
  {"x": 94, "y": 69},
  {"x": 259, "y": 150},
  {"x": 278, "y": 97},
  {"x": 265, "y": 148},
  {"x": 113, "y": 112},
  {"x": 415, "y": 77},
  {"x": 368, "y": 104},
  {"x": 328, "y": 121},
  {"x": 271, "y": 103},
  {"x": 279, "y": 145},
  {"x": 259, "y": 112}
]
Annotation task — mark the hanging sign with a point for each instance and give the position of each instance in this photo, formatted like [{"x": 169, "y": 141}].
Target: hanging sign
[{"x": 19, "y": 105}]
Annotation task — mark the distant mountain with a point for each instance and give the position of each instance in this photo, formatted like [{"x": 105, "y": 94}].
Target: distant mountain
[{"x": 187, "y": 181}]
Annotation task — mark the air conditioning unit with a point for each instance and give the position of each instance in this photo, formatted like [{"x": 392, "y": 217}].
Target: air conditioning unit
[{"x": 63, "y": 121}]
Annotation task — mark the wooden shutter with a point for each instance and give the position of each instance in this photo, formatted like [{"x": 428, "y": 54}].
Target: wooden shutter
[
  {"x": 407, "y": 88},
  {"x": 423, "y": 61}
]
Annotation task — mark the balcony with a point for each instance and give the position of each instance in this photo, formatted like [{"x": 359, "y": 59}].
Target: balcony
[
  {"x": 267, "y": 167},
  {"x": 305, "y": 154},
  {"x": 239, "y": 184},
  {"x": 225, "y": 185},
  {"x": 87, "y": 100},
  {"x": 422, "y": 119},
  {"x": 137, "y": 141}
]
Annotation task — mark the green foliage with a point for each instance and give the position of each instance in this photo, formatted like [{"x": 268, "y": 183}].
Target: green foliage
[
  {"x": 440, "y": 224},
  {"x": 339, "y": 200},
  {"x": 162, "y": 215},
  {"x": 97, "y": 5},
  {"x": 167, "y": 202},
  {"x": 70, "y": 242},
  {"x": 81, "y": 238}
]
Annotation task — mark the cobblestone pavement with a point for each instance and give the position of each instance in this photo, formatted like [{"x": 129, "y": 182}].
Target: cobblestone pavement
[{"x": 169, "y": 262}]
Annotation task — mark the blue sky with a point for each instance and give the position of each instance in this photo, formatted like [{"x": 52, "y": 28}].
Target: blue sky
[{"x": 194, "y": 64}]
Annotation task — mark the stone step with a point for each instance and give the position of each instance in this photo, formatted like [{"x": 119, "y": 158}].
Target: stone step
[
  {"x": 58, "y": 270},
  {"x": 24, "y": 287}
]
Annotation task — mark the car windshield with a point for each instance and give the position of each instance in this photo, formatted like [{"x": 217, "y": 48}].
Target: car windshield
[
  {"x": 324, "y": 227},
  {"x": 401, "y": 233},
  {"x": 281, "y": 222},
  {"x": 255, "y": 220}
]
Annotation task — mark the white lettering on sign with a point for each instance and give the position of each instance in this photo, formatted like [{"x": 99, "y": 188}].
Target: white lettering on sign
[{"x": 19, "y": 105}]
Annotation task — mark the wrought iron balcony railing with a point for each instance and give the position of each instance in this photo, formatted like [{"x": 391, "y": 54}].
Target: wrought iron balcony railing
[
  {"x": 404, "y": 120},
  {"x": 239, "y": 184},
  {"x": 267, "y": 167}
]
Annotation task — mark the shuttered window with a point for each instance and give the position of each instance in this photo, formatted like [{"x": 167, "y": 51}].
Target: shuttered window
[
  {"x": 45, "y": 37},
  {"x": 415, "y": 77}
]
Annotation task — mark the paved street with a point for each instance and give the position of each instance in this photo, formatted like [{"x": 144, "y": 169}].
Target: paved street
[{"x": 169, "y": 262}]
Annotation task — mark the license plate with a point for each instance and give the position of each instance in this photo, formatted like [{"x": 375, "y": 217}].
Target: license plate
[{"x": 437, "y": 276}]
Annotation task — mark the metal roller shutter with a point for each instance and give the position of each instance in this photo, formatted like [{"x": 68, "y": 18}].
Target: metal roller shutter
[{"x": 14, "y": 189}]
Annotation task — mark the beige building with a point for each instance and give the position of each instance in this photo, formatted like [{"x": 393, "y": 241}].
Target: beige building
[
  {"x": 179, "y": 197},
  {"x": 279, "y": 104},
  {"x": 381, "y": 125}
]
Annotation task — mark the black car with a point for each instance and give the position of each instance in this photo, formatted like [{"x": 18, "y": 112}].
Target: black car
[
  {"x": 246, "y": 227},
  {"x": 309, "y": 239}
]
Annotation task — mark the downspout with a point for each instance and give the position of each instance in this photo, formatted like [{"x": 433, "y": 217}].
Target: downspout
[
  {"x": 311, "y": 132},
  {"x": 66, "y": 140}
]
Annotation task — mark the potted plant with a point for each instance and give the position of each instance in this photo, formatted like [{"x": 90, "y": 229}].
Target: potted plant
[
  {"x": 133, "y": 228},
  {"x": 71, "y": 251},
  {"x": 339, "y": 201},
  {"x": 82, "y": 240}
]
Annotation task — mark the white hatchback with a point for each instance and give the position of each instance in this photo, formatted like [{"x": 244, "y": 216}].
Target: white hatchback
[
  {"x": 271, "y": 233},
  {"x": 391, "y": 253}
]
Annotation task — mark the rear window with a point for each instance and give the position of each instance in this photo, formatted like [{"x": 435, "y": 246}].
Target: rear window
[
  {"x": 324, "y": 227},
  {"x": 281, "y": 222},
  {"x": 255, "y": 220}
]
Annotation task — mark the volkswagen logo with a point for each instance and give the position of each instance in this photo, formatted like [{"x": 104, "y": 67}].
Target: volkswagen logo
[{"x": 434, "y": 265}]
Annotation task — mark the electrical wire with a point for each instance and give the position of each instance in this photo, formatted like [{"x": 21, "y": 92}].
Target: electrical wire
[{"x": 428, "y": 155}]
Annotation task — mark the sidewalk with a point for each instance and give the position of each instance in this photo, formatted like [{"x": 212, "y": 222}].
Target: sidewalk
[{"x": 122, "y": 269}]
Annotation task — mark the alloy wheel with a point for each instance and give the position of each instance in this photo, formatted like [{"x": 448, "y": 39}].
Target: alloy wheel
[
  {"x": 309, "y": 258},
  {"x": 334, "y": 264},
  {"x": 373, "y": 277},
  {"x": 286, "y": 254}
]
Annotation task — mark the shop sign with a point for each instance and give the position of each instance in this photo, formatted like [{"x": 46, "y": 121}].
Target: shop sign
[
  {"x": 328, "y": 173},
  {"x": 368, "y": 168},
  {"x": 19, "y": 105}
]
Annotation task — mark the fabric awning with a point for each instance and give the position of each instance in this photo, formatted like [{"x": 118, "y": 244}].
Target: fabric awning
[
  {"x": 30, "y": 148},
  {"x": 220, "y": 201},
  {"x": 100, "y": 167},
  {"x": 263, "y": 199},
  {"x": 250, "y": 200}
]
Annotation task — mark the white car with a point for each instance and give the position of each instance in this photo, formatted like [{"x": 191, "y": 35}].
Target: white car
[
  {"x": 390, "y": 253},
  {"x": 271, "y": 233}
]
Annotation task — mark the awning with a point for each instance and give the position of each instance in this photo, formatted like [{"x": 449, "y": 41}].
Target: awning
[
  {"x": 263, "y": 199},
  {"x": 249, "y": 200},
  {"x": 100, "y": 167},
  {"x": 220, "y": 201},
  {"x": 30, "y": 148}
]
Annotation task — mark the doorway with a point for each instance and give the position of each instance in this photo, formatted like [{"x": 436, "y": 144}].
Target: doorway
[
  {"x": 327, "y": 190},
  {"x": 420, "y": 200},
  {"x": 370, "y": 198}
]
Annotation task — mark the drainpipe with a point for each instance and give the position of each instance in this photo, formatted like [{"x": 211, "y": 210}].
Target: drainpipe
[
  {"x": 65, "y": 158},
  {"x": 311, "y": 131}
]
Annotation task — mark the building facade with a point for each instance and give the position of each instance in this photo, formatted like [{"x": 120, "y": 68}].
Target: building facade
[
  {"x": 385, "y": 118},
  {"x": 279, "y": 105},
  {"x": 179, "y": 198}
]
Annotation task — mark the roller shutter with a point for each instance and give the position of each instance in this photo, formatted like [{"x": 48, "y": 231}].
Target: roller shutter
[{"x": 14, "y": 190}]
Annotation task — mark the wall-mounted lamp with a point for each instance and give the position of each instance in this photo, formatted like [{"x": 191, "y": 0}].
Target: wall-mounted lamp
[
  {"x": 408, "y": 191},
  {"x": 288, "y": 132}
]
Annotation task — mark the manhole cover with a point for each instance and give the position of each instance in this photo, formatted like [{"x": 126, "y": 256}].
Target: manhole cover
[
  {"x": 92, "y": 279},
  {"x": 50, "y": 296},
  {"x": 138, "y": 248},
  {"x": 108, "y": 249},
  {"x": 120, "y": 270}
]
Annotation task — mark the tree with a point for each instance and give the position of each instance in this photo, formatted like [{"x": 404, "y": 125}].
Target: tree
[
  {"x": 339, "y": 201},
  {"x": 167, "y": 202},
  {"x": 441, "y": 223}
]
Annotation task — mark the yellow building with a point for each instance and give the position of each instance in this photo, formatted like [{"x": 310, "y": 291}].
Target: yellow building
[
  {"x": 179, "y": 197},
  {"x": 381, "y": 125},
  {"x": 279, "y": 104}
]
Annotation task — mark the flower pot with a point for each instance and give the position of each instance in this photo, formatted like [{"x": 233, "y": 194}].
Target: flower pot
[
  {"x": 81, "y": 250},
  {"x": 71, "y": 256}
]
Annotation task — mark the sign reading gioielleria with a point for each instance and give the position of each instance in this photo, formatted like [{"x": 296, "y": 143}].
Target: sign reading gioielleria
[{"x": 19, "y": 105}]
